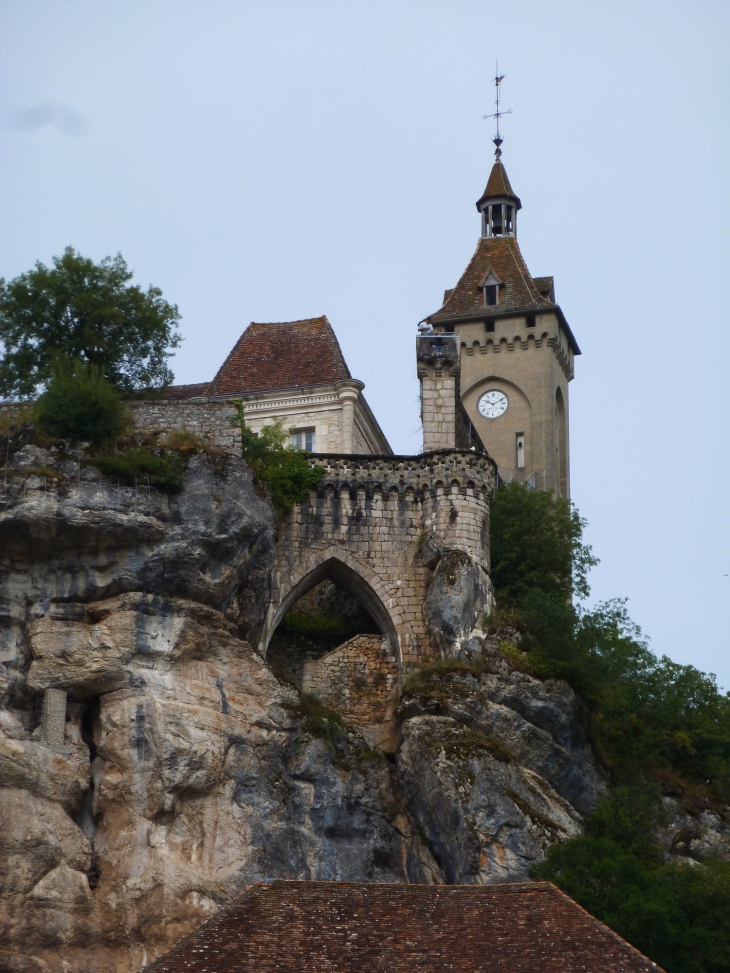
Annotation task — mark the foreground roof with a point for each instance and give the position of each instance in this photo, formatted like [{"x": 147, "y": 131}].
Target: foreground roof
[
  {"x": 344, "y": 927},
  {"x": 285, "y": 355}
]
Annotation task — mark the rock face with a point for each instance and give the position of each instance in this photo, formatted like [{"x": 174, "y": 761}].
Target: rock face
[
  {"x": 459, "y": 593},
  {"x": 188, "y": 768}
]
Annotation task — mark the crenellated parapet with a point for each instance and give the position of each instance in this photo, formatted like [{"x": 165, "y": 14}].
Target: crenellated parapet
[{"x": 472, "y": 473}]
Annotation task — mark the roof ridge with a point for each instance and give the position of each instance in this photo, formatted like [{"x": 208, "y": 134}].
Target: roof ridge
[
  {"x": 517, "y": 265},
  {"x": 274, "y": 324}
]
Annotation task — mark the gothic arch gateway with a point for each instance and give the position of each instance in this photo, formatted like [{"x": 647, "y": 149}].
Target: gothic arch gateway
[
  {"x": 367, "y": 527},
  {"x": 340, "y": 567}
]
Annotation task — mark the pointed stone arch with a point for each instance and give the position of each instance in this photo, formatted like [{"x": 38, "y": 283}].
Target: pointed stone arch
[{"x": 355, "y": 578}]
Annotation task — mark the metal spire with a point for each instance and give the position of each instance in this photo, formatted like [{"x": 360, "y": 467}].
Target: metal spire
[{"x": 498, "y": 79}]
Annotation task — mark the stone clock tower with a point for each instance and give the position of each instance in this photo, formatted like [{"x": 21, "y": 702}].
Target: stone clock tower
[{"x": 496, "y": 359}]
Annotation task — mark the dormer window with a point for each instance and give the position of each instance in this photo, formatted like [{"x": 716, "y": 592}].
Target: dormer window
[{"x": 490, "y": 287}]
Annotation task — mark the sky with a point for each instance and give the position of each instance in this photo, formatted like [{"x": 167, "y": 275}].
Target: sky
[{"x": 272, "y": 160}]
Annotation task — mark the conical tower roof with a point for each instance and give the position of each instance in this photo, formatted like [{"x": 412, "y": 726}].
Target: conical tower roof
[{"x": 499, "y": 185}]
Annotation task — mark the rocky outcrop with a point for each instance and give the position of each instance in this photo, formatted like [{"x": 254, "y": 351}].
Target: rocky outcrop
[
  {"x": 188, "y": 769},
  {"x": 458, "y": 595}
]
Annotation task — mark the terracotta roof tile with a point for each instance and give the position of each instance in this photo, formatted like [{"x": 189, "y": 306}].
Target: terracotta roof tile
[
  {"x": 291, "y": 354},
  {"x": 546, "y": 286},
  {"x": 519, "y": 292},
  {"x": 178, "y": 393},
  {"x": 343, "y": 927},
  {"x": 498, "y": 184}
]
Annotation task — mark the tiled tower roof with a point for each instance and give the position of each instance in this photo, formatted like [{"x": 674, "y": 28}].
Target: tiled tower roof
[
  {"x": 291, "y": 354},
  {"x": 498, "y": 184},
  {"x": 520, "y": 293},
  {"x": 290, "y": 927}
]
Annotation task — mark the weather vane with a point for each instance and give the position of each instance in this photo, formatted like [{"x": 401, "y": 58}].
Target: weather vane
[{"x": 498, "y": 79}]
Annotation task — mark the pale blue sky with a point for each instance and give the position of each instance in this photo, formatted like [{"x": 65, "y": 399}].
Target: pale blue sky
[{"x": 270, "y": 160}]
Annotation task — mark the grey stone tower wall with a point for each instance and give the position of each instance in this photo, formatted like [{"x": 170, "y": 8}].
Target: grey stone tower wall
[{"x": 437, "y": 358}]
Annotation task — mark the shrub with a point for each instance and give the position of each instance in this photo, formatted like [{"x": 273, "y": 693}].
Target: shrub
[
  {"x": 283, "y": 468},
  {"x": 183, "y": 441},
  {"x": 165, "y": 471},
  {"x": 319, "y": 720},
  {"x": 650, "y": 717},
  {"x": 80, "y": 404}
]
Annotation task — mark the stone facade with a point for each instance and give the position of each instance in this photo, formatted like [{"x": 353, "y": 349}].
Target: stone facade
[
  {"x": 360, "y": 680},
  {"x": 338, "y": 415},
  {"x": 437, "y": 360},
  {"x": 532, "y": 366},
  {"x": 377, "y": 527}
]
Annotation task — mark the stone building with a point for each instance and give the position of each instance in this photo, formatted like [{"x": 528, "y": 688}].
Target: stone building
[
  {"x": 294, "y": 371},
  {"x": 502, "y": 379}
]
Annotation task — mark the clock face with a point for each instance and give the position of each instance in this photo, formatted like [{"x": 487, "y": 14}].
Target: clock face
[{"x": 492, "y": 404}]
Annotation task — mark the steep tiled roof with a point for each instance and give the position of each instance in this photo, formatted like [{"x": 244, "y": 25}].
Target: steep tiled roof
[
  {"x": 292, "y": 354},
  {"x": 546, "y": 286},
  {"x": 519, "y": 293},
  {"x": 498, "y": 184},
  {"x": 343, "y": 927}
]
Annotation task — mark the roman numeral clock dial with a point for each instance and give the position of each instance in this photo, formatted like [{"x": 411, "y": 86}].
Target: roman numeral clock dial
[{"x": 492, "y": 404}]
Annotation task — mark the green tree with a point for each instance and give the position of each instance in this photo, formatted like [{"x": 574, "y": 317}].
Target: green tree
[
  {"x": 651, "y": 718},
  {"x": 90, "y": 312},
  {"x": 537, "y": 544},
  {"x": 282, "y": 467},
  {"x": 80, "y": 404}
]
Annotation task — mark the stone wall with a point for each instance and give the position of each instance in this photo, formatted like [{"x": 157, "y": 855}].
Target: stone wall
[
  {"x": 437, "y": 358},
  {"x": 377, "y": 526},
  {"x": 360, "y": 680},
  {"x": 208, "y": 420}
]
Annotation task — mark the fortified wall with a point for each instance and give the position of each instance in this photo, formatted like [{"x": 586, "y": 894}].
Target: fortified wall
[
  {"x": 377, "y": 526},
  {"x": 210, "y": 421}
]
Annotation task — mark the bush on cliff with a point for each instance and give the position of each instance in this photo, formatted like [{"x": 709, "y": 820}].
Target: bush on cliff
[
  {"x": 651, "y": 718},
  {"x": 79, "y": 404},
  {"x": 676, "y": 914},
  {"x": 657, "y": 725},
  {"x": 281, "y": 467},
  {"x": 162, "y": 469}
]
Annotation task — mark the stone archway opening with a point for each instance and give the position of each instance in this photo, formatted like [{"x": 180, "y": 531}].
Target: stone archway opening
[
  {"x": 333, "y": 637},
  {"x": 323, "y": 618}
]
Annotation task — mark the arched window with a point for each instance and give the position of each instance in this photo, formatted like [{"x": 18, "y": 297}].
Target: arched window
[{"x": 562, "y": 448}]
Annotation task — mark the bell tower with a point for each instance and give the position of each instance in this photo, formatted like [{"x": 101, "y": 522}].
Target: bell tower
[{"x": 515, "y": 352}]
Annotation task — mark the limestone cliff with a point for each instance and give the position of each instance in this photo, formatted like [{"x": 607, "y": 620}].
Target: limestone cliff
[{"x": 187, "y": 768}]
